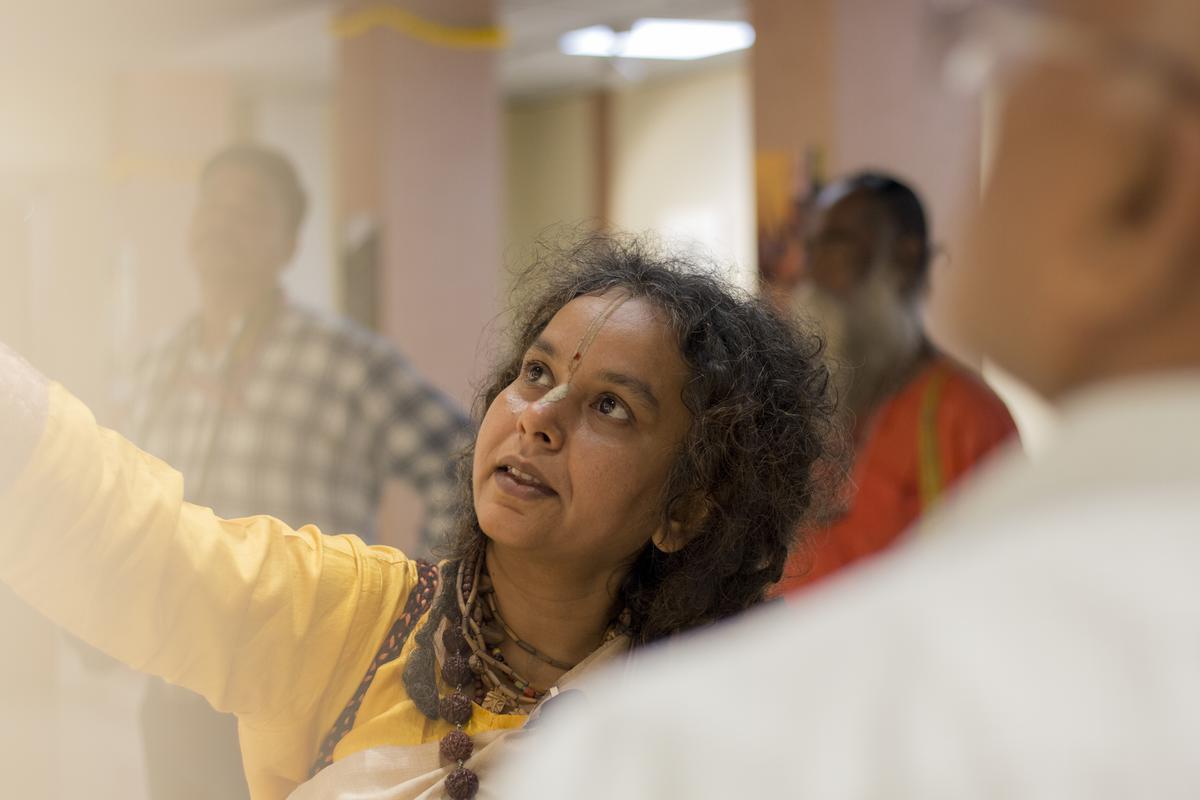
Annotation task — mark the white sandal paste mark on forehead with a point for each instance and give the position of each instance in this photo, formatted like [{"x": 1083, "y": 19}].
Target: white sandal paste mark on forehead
[{"x": 557, "y": 393}]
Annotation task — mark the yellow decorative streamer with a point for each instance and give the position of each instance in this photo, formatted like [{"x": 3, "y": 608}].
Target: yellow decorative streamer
[{"x": 389, "y": 17}]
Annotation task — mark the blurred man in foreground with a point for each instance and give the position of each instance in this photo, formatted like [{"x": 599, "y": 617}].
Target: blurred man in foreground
[
  {"x": 267, "y": 407},
  {"x": 1045, "y": 644},
  {"x": 919, "y": 421}
]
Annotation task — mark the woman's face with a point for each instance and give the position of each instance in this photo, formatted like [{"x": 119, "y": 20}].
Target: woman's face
[{"x": 579, "y": 480}]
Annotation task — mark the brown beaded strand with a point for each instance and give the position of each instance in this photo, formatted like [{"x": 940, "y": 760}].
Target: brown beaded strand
[
  {"x": 473, "y": 658},
  {"x": 477, "y": 630},
  {"x": 456, "y": 746},
  {"x": 490, "y": 600}
]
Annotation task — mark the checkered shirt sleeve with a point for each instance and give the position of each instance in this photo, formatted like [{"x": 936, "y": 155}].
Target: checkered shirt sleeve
[{"x": 421, "y": 435}]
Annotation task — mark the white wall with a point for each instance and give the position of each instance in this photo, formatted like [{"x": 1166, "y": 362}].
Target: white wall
[
  {"x": 53, "y": 122},
  {"x": 683, "y": 164},
  {"x": 552, "y": 168},
  {"x": 300, "y": 125}
]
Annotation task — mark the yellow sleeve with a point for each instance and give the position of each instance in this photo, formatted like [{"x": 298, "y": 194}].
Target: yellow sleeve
[{"x": 260, "y": 619}]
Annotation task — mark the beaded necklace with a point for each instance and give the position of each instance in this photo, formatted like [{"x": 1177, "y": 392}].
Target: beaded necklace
[{"x": 470, "y": 633}]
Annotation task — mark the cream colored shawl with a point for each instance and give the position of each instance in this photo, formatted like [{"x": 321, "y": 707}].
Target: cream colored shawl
[{"x": 417, "y": 771}]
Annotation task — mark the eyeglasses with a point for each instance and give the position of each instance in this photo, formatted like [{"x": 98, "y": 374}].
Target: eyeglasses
[{"x": 975, "y": 44}]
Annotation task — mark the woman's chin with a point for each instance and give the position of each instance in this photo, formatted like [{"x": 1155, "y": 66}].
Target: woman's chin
[{"x": 510, "y": 530}]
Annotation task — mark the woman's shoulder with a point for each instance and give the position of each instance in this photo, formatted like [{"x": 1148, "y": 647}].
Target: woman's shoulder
[{"x": 379, "y": 566}]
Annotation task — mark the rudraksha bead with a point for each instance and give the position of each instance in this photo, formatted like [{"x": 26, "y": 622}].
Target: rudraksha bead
[
  {"x": 455, "y": 709},
  {"x": 422, "y": 693},
  {"x": 457, "y": 671},
  {"x": 422, "y": 661},
  {"x": 462, "y": 784},
  {"x": 456, "y": 746},
  {"x": 454, "y": 641}
]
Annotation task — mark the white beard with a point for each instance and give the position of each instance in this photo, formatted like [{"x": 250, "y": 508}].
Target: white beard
[{"x": 870, "y": 335}]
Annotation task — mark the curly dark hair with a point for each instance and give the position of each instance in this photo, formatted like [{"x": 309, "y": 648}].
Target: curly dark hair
[{"x": 754, "y": 464}]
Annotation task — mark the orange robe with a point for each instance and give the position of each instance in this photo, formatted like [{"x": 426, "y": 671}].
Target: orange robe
[{"x": 927, "y": 436}]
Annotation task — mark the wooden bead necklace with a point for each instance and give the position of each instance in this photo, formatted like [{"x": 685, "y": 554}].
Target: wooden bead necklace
[{"x": 471, "y": 632}]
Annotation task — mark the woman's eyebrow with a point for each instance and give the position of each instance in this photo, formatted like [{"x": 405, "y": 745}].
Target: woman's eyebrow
[
  {"x": 540, "y": 344},
  {"x": 636, "y": 385}
]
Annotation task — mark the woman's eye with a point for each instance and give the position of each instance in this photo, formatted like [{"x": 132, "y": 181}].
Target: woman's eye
[
  {"x": 612, "y": 407},
  {"x": 538, "y": 374}
]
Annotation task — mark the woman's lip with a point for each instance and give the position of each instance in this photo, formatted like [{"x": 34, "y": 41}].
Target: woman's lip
[{"x": 510, "y": 485}]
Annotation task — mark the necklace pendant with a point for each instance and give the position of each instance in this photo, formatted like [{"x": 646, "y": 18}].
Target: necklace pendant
[{"x": 495, "y": 702}]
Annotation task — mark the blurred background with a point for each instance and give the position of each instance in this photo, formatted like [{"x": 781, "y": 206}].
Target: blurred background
[{"x": 436, "y": 142}]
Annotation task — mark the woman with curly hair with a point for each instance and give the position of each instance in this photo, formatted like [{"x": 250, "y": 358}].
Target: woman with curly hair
[{"x": 645, "y": 453}]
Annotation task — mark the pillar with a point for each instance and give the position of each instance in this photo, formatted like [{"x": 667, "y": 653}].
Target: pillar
[{"x": 419, "y": 155}]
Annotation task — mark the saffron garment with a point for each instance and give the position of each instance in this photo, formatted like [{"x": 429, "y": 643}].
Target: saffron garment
[
  {"x": 927, "y": 436},
  {"x": 275, "y": 625}
]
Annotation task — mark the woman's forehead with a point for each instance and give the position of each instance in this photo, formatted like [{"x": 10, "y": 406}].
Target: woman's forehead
[
  {"x": 614, "y": 328},
  {"x": 610, "y": 315}
]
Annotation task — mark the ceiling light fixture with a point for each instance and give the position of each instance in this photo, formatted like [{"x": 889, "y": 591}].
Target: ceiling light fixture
[{"x": 673, "y": 39}]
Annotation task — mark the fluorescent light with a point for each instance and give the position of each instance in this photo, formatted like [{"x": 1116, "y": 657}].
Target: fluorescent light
[
  {"x": 597, "y": 40},
  {"x": 675, "y": 39},
  {"x": 686, "y": 39}
]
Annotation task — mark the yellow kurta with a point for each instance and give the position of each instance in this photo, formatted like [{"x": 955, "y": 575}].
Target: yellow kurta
[{"x": 275, "y": 625}]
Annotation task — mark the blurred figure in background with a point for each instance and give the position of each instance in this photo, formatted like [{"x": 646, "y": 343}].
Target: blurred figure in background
[
  {"x": 919, "y": 421},
  {"x": 1044, "y": 645},
  {"x": 267, "y": 407}
]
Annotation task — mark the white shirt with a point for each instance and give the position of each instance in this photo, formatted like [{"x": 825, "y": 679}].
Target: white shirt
[{"x": 1039, "y": 639}]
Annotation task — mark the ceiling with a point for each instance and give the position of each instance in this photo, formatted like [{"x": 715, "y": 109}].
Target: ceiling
[
  {"x": 113, "y": 32},
  {"x": 288, "y": 41}
]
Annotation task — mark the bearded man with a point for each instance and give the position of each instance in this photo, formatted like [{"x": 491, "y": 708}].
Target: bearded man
[{"x": 919, "y": 421}]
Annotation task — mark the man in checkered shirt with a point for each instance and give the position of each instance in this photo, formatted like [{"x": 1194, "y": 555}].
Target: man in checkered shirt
[
  {"x": 327, "y": 414},
  {"x": 267, "y": 408}
]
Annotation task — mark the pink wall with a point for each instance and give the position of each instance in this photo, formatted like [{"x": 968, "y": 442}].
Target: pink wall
[{"x": 890, "y": 110}]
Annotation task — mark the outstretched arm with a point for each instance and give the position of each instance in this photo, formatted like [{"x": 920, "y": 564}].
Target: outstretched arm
[
  {"x": 259, "y": 618},
  {"x": 23, "y": 399}
]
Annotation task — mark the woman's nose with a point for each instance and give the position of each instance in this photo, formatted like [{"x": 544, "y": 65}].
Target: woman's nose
[{"x": 543, "y": 420}]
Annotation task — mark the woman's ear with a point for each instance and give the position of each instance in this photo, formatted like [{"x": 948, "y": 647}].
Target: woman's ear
[
  {"x": 670, "y": 538},
  {"x": 686, "y": 520}
]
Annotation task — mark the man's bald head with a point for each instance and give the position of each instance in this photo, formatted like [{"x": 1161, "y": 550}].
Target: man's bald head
[
  {"x": 1169, "y": 26},
  {"x": 1085, "y": 264}
]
